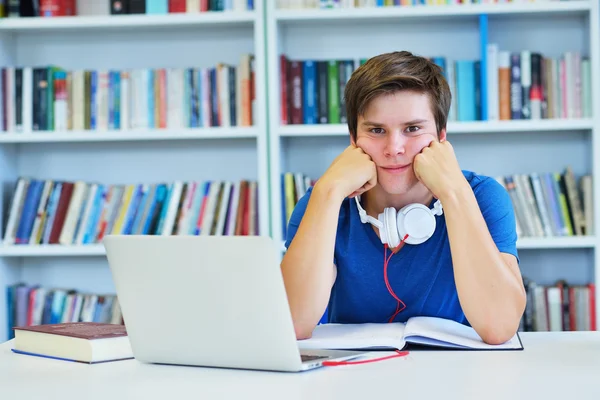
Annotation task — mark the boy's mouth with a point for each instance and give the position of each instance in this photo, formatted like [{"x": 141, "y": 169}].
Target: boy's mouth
[{"x": 395, "y": 169}]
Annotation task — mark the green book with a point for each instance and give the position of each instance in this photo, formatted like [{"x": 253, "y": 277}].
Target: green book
[{"x": 334, "y": 91}]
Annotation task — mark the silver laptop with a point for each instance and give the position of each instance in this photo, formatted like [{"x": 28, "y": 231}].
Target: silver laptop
[{"x": 216, "y": 301}]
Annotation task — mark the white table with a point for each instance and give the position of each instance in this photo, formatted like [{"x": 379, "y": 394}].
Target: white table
[{"x": 560, "y": 365}]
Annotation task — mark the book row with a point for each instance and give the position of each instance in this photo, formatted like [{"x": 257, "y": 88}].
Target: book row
[
  {"x": 528, "y": 85},
  {"x": 551, "y": 204},
  {"x": 518, "y": 85},
  {"x": 293, "y": 187},
  {"x": 29, "y": 305},
  {"x": 59, "y": 8},
  {"x": 559, "y": 307},
  {"x": 323, "y": 4},
  {"x": 546, "y": 204},
  {"x": 80, "y": 213},
  {"x": 54, "y": 99}
]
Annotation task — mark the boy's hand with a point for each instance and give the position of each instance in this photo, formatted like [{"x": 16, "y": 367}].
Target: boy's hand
[
  {"x": 437, "y": 167},
  {"x": 351, "y": 173}
]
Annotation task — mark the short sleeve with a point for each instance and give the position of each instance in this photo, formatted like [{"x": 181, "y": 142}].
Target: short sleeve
[
  {"x": 497, "y": 210},
  {"x": 296, "y": 217}
]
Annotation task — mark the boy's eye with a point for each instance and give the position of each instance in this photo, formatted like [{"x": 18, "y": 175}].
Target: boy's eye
[
  {"x": 377, "y": 130},
  {"x": 413, "y": 129}
]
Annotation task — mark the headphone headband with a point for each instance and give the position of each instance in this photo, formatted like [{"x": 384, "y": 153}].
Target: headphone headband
[
  {"x": 364, "y": 217},
  {"x": 391, "y": 223}
]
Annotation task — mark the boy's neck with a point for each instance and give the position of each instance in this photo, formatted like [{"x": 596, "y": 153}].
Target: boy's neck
[{"x": 375, "y": 200}]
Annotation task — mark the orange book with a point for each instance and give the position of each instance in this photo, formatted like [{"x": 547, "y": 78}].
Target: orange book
[{"x": 504, "y": 85}]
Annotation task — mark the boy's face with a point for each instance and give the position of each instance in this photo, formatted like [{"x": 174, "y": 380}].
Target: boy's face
[{"x": 393, "y": 130}]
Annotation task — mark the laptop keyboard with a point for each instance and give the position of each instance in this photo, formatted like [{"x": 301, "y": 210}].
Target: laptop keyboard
[{"x": 309, "y": 357}]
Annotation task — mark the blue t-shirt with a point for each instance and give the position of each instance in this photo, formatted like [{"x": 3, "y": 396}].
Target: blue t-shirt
[{"x": 420, "y": 275}]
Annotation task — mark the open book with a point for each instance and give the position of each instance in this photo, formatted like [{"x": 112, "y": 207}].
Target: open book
[{"x": 428, "y": 331}]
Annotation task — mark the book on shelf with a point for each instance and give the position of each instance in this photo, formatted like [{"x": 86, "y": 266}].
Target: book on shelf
[
  {"x": 561, "y": 306},
  {"x": 85, "y": 342},
  {"x": 50, "y": 98},
  {"x": 31, "y": 305},
  {"x": 422, "y": 331},
  {"x": 293, "y": 187},
  {"x": 46, "y": 211},
  {"x": 551, "y": 204},
  {"x": 61, "y": 8},
  {"x": 328, "y": 4},
  {"x": 521, "y": 85}
]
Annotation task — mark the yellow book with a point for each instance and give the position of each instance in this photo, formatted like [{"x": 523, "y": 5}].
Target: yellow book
[
  {"x": 290, "y": 195},
  {"x": 562, "y": 199},
  {"x": 118, "y": 227}
]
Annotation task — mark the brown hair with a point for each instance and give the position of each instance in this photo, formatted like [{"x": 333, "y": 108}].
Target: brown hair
[{"x": 390, "y": 72}]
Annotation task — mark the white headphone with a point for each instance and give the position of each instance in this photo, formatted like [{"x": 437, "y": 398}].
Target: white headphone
[{"x": 414, "y": 219}]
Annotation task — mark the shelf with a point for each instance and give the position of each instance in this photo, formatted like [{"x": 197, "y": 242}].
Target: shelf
[
  {"x": 134, "y": 135},
  {"x": 544, "y": 125},
  {"x": 569, "y": 242},
  {"x": 32, "y": 24},
  {"x": 445, "y": 12},
  {"x": 45, "y": 250},
  {"x": 528, "y": 243}
]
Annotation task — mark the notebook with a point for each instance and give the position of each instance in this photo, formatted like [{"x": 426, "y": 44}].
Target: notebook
[{"x": 426, "y": 331}]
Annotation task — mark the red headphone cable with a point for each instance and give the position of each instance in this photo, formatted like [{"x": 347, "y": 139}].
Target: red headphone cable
[
  {"x": 398, "y": 353},
  {"x": 386, "y": 261}
]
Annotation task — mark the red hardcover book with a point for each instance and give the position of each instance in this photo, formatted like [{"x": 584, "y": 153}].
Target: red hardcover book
[
  {"x": 61, "y": 211},
  {"x": 295, "y": 86},
  {"x": 86, "y": 342},
  {"x": 283, "y": 87},
  {"x": 52, "y": 8},
  {"x": 177, "y": 6}
]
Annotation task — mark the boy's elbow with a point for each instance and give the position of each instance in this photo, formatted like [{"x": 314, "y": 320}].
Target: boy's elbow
[
  {"x": 303, "y": 331},
  {"x": 494, "y": 333},
  {"x": 495, "y": 338}
]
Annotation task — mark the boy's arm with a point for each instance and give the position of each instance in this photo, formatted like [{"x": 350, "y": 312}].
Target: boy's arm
[
  {"x": 489, "y": 283},
  {"x": 307, "y": 267}
]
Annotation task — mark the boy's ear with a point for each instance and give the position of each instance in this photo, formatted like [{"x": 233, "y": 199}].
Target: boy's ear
[
  {"x": 352, "y": 139},
  {"x": 442, "y": 135}
]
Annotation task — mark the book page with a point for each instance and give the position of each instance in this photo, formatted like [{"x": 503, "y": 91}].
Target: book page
[
  {"x": 355, "y": 337},
  {"x": 447, "y": 333}
]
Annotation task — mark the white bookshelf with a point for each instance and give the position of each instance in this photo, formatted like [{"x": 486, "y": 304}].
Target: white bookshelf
[
  {"x": 50, "y": 250},
  {"x": 126, "y": 156},
  {"x": 132, "y": 135},
  {"x": 492, "y": 148},
  {"x": 454, "y": 12},
  {"x": 454, "y": 128},
  {"x": 126, "y": 22}
]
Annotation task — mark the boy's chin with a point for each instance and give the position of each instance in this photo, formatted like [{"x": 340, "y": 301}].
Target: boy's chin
[{"x": 396, "y": 189}]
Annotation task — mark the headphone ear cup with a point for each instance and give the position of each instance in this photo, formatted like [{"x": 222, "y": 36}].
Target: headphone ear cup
[
  {"x": 400, "y": 228},
  {"x": 389, "y": 225},
  {"x": 417, "y": 221}
]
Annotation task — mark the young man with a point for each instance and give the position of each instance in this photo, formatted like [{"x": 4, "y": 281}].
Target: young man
[{"x": 467, "y": 271}]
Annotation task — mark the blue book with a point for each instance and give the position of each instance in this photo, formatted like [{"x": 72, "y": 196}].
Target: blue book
[
  {"x": 309, "y": 82},
  {"x": 483, "y": 37},
  {"x": 465, "y": 88},
  {"x": 29, "y": 212},
  {"x": 95, "y": 212},
  {"x": 150, "y": 83},
  {"x": 157, "y": 6},
  {"x": 93, "y": 105}
]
